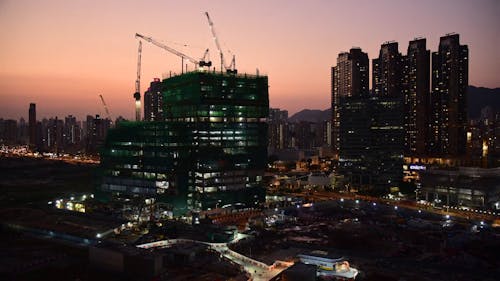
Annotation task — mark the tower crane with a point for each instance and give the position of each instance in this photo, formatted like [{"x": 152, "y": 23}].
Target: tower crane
[
  {"x": 232, "y": 67},
  {"x": 108, "y": 115},
  {"x": 199, "y": 63},
  {"x": 137, "y": 94}
]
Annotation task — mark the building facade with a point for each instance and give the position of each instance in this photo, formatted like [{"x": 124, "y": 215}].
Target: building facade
[
  {"x": 211, "y": 150},
  {"x": 416, "y": 87},
  {"x": 278, "y": 129},
  {"x": 450, "y": 67},
  {"x": 462, "y": 186},
  {"x": 387, "y": 130},
  {"x": 387, "y": 71},
  {"x": 349, "y": 79},
  {"x": 32, "y": 125},
  {"x": 153, "y": 102},
  {"x": 355, "y": 141}
]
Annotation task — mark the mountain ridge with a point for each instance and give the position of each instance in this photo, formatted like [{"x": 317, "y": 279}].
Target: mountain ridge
[{"x": 477, "y": 99}]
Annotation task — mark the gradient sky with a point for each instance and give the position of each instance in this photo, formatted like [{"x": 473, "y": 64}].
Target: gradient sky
[{"x": 62, "y": 54}]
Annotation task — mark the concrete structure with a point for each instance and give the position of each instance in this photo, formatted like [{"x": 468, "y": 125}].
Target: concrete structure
[
  {"x": 371, "y": 143},
  {"x": 349, "y": 79},
  {"x": 32, "y": 125},
  {"x": 387, "y": 71},
  {"x": 386, "y": 129},
  {"x": 355, "y": 141},
  {"x": 368, "y": 130},
  {"x": 416, "y": 85},
  {"x": 97, "y": 129},
  {"x": 387, "y": 142},
  {"x": 8, "y": 132},
  {"x": 278, "y": 129},
  {"x": 450, "y": 78},
  {"x": 153, "y": 102},
  {"x": 465, "y": 186},
  {"x": 210, "y": 151}
]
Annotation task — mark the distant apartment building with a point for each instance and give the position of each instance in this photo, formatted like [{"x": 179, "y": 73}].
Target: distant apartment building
[
  {"x": 97, "y": 129},
  {"x": 33, "y": 141},
  {"x": 153, "y": 102},
  {"x": 8, "y": 131},
  {"x": 72, "y": 134},
  {"x": 278, "y": 129},
  {"x": 388, "y": 114},
  {"x": 349, "y": 79},
  {"x": 387, "y": 71},
  {"x": 448, "y": 102},
  {"x": 369, "y": 128},
  {"x": 22, "y": 132},
  {"x": 416, "y": 87},
  {"x": 483, "y": 140}
]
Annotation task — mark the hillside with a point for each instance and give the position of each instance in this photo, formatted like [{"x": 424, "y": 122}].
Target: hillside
[
  {"x": 477, "y": 98},
  {"x": 311, "y": 115}
]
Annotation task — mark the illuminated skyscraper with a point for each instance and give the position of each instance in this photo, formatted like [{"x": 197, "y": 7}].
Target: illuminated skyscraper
[
  {"x": 210, "y": 151},
  {"x": 386, "y": 128},
  {"x": 450, "y": 78},
  {"x": 387, "y": 71},
  {"x": 416, "y": 77},
  {"x": 32, "y": 125},
  {"x": 153, "y": 102},
  {"x": 278, "y": 128},
  {"x": 349, "y": 79}
]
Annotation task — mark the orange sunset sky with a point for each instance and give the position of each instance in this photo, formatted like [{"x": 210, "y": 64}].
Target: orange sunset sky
[{"x": 62, "y": 54}]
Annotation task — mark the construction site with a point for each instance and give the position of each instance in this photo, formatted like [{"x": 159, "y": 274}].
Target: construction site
[
  {"x": 180, "y": 194},
  {"x": 209, "y": 149}
]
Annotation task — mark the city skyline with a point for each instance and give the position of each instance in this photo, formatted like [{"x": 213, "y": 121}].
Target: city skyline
[{"x": 60, "y": 50}]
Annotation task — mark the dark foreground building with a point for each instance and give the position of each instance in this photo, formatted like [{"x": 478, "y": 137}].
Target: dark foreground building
[
  {"x": 370, "y": 131},
  {"x": 210, "y": 151},
  {"x": 462, "y": 186}
]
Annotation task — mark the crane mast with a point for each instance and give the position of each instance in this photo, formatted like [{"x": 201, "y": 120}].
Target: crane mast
[
  {"x": 108, "y": 115},
  {"x": 232, "y": 67},
  {"x": 137, "y": 94}
]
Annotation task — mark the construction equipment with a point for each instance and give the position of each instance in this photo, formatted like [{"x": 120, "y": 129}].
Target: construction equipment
[
  {"x": 232, "y": 67},
  {"x": 108, "y": 115},
  {"x": 206, "y": 59},
  {"x": 200, "y": 63},
  {"x": 137, "y": 94}
]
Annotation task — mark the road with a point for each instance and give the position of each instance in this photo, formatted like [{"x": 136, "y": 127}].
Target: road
[
  {"x": 257, "y": 270},
  {"x": 467, "y": 215}
]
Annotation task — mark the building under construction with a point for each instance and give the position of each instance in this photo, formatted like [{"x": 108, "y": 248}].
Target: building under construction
[{"x": 210, "y": 152}]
